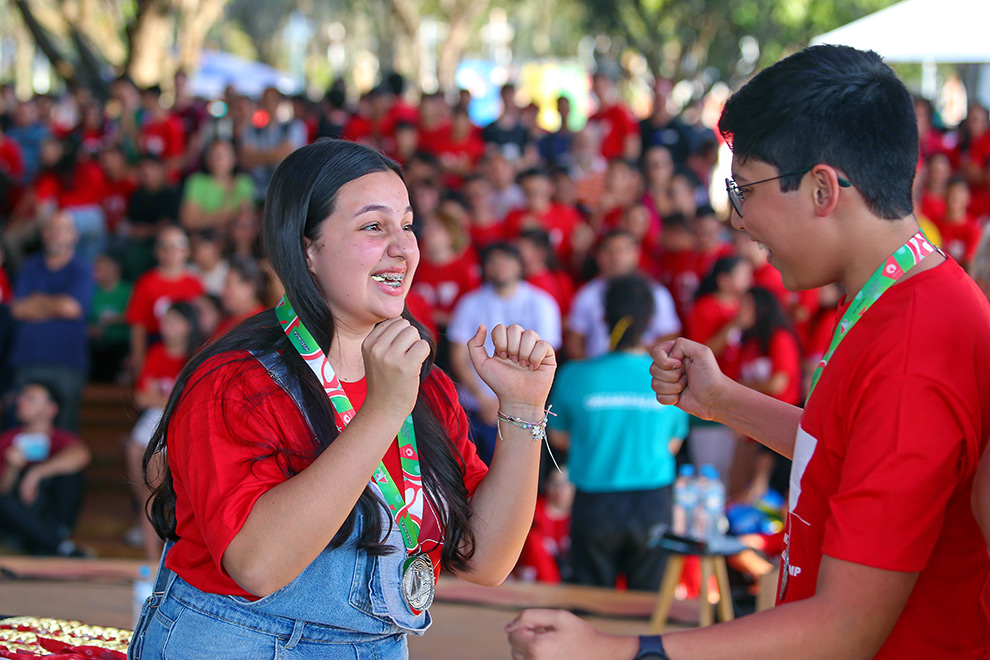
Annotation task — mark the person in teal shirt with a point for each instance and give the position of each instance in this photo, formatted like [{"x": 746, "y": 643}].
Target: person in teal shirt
[
  {"x": 109, "y": 335},
  {"x": 620, "y": 444}
]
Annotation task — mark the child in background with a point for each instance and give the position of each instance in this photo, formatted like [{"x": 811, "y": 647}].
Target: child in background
[
  {"x": 109, "y": 336},
  {"x": 545, "y": 556},
  {"x": 960, "y": 232},
  {"x": 181, "y": 335}
]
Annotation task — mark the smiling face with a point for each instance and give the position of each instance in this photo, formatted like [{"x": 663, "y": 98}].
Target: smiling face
[
  {"x": 784, "y": 223},
  {"x": 366, "y": 254}
]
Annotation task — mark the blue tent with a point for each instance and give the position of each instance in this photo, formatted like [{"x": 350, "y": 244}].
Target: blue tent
[{"x": 219, "y": 69}]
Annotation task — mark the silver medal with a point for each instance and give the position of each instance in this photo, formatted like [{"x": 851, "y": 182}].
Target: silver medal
[{"x": 417, "y": 582}]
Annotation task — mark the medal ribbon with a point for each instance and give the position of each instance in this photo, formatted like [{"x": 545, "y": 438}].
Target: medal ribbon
[
  {"x": 408, "y": 512},
  {"x": 904, "y": 259}
]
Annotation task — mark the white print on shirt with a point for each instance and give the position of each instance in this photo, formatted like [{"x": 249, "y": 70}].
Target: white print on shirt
[{"x": 804, "y": 449}]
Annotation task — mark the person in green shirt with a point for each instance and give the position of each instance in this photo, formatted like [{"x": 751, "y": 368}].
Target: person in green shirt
[
  {"x": 212, "y": 199},
  {"x": 109, "y": 336}
]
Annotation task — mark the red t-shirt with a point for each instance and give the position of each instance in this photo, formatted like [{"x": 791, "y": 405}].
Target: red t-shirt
[
  {"x": 6, "y": 289},
  {"x": 708, "y": 316},
  {"x": 165, "y": 138},
  {"x": 618, "y": 124},
  {"x": 153, "y": 294},
  {"x": 885, "y": 457},
  {"x": 116, "y": 201},
  {"x": 559, "y": 285},
  {"x": 960, "y": 239},
  {"x": 484, "y": 235},
  {"x": 59, "y": 439},
  {"x": 160, "y": 370},
  {"x": 933, "y": 207},
  {"x": 11, "y": 159},
  {"x": 558, "y": 220},
  {"x": 782, "y": 355},
  {"x": 548, "y": 539},
  {"x": 442, "y": 285},
  {"x": 231, "y": 417},
  {"x": 769, "y": 278},
  {"x": 87, "y": 187}
]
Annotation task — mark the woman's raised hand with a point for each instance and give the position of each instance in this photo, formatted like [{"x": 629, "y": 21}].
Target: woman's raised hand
[
  {"x": 393, "y": 356},
  {"x": 520, "y": 371}
]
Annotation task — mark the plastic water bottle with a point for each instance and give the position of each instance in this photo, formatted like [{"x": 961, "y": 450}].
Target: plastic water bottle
[
  {"x": 144, "y": 585},
  {"x": 712, "y": 495},
  {"x": 685, "y": 501}
]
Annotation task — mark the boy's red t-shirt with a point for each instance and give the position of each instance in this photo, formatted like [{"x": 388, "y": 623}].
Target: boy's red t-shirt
[
  {"x": 86, "y": 188},
  {"x": 160, "y": 370},
  {"x": 885, "y": 459},
  {"x": 960, "y": 239},
  {"x": 442, "y": 285},
  {"x": 153, "y": 294},
  {"x": 229, "y": 416}
]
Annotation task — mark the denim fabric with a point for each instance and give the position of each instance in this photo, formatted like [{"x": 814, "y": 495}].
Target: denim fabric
[{"x": 345, "y": 604}]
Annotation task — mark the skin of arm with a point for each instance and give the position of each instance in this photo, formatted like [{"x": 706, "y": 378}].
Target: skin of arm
[
  {"x": 14, "y": 461},
  {"x": 685, "y": 374},
  {"x": 71, "y": 459},
  {"x": 520, "y": 372},
  {"x": 39, "y": 307},
  {"x": 851, "y": 615}
]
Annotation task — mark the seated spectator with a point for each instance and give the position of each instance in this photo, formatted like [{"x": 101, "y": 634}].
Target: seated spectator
[
  {"x": 620, "y": 447},
  {"x": 613, "y": 120},
  {"x": 212, "y": 199},
  {"x": 244, "y": 237},
  {"x": 41, "y": 482},
  {"x": 180, "y": 336},
  {"x": 76, "y": 187},
  {"x": 507, "y": 194},
  {"x": 486, "y": 227},
  {"x": 169, "y": 282},
  {"x": 268, "y": 140},
  {"x": 540, "y": 211},
  {"x": 658, "y": 170},
  {"x": 206, "y": 259},
  {"x": 52, "y": 296},
  {"x": 109, "y": 336},
  {"x": 503, "y": 298},
  {"x": 586, "y": 334},
  {"x": 545, "y": 556},
  {"x": 506, "y": 135},
  {"x": 555, "y": 147},
  {"x": 162, "y": 133},
  {"x": 541, "y": 269},
  {"x": 935, "y": 185},
  {"x": 29, "y": 132},
  {"x": 119, "y": 185},
  {"x": 243, "y": 293},
  {"x": 448, "y": 266},
  {"x": 960, "y": 231},
  {"x": 460, "y": 149},
  {"x": 11, "y": 173},
  {"x": 154, "y": 205}
]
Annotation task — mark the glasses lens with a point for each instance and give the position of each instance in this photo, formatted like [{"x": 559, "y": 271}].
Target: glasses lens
[{"x": 734, "y": 197}]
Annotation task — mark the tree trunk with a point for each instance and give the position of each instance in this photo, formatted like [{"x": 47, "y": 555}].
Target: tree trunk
[
  {"x": 196, "y": 17},
  {"x": 62, "y": 66},
  {"x": 461, "y": 15},
  {"x": 149, "y": 38},
  {"x": 406, "y": 17}
]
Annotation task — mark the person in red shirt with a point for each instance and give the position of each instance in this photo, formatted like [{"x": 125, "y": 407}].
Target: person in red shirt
[
  {"x": 181, "y": 335},
  {"x": 120, "y": 183},
  {"x": 614, "y": 120},
  {"x": 270, "y": 494},
  {"x": 959, "y": 230},
  {"x": 485, "y": 227},
  {"x": 935, "y": 176},
  {"x": 434, "y": 122},
  {"x": 542, "y": 212},
  {"x": 41, "y": 484},
  {"x": 244, "y": 289},
  {"x": 545, "y": 555},
  {"x": 540, "y": 267},
  {"x": 884, "y": 556},
  {"x": 169, "y": 282},
  {"x": 162, "y": 133},
  {"x": 460, "y": 149},
  {"x": 448, "y": 268}
]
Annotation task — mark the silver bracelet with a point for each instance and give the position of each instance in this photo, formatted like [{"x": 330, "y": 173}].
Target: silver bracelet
[{"x": 537, "y": 429}]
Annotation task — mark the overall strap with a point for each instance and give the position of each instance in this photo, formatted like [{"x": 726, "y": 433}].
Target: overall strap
[{"x": 279, "y": 371}]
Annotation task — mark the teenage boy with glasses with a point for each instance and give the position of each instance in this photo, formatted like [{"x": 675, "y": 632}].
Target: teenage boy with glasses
[{"x": 884, "y": 555}]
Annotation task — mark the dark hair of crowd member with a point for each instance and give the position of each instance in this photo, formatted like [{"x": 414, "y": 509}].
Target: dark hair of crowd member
[
  {"x": 629, "y": 306},
  {"x": 541, "y": 239},
  {"x": 709, "y": 283},
  {"x": 833, "y": 105},
  {"x": 770, "y": 317},
  {"x": 301, "y": 196},
  {"x": 188, "y": 312}
]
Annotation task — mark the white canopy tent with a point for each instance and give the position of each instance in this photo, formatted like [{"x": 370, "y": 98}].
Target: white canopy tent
[{"x": 926, "y": 31}]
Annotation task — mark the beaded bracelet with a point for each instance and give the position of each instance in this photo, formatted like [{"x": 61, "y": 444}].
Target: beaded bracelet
[{"x": 537, "y": 429}]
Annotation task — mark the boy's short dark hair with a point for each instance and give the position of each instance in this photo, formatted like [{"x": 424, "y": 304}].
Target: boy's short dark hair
[
  {"x": 834, "y": 105},
  {"x": 47, "y": 387},
  {"x": 531, "y": 173}
]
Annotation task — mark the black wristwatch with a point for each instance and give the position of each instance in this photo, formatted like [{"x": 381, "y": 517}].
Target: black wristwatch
[{"x": 651, "y": 648}]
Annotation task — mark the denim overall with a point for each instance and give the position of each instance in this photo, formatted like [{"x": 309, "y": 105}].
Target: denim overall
[{"x": 345, "y": 604}]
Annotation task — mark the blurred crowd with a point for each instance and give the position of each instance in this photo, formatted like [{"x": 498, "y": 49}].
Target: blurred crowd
[{"x": 130, "y": 235}]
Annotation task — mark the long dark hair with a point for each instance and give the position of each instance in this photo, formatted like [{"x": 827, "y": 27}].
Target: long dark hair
[
  {"x": 770, "y": 318},
  {"x": 709, "y": 283},
  {"x": 301, "y": 196}
]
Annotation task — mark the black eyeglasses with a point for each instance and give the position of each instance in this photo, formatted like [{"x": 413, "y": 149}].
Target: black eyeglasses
[{"x": 737, "y": 198}]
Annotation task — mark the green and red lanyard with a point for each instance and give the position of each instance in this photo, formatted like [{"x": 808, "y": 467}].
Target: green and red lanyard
[
  {"x": 408, "y": 511},
  {"x": 904, "y": 259}
]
